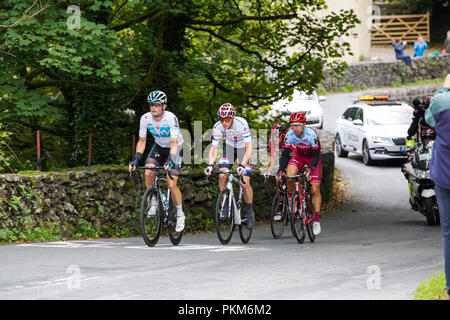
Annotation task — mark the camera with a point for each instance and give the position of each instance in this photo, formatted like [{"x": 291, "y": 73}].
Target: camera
[{"x": 421, "y": 105}]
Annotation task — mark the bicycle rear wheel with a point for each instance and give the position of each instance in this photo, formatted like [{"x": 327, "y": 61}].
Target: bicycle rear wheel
[
  {"x": 244, "y": 232},
  {"x": 309, "y": 224},
  {"x": 150, "y": 224},
  {"x": 224, "y": 217},
  {"x": 278, "y": 215},
  {"x": 175, "y": 237},
  {"x": 297, "y": 225}
]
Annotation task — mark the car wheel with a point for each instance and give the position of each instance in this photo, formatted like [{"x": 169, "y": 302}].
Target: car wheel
[
  {"x": 366, "y": 154},
  {"x": 341, "y": 153},
  {"x": 321, "y": 124}
]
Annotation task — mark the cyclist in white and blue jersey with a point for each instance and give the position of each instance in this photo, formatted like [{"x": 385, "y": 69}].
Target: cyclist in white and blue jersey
[{"x": 167, "y": 149}]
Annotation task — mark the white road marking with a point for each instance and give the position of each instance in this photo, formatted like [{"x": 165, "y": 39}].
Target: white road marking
[{"x": 126, "y": 245}]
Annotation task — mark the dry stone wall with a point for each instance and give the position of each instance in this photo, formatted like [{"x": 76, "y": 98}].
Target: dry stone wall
[{"x": 384, "y": 74}]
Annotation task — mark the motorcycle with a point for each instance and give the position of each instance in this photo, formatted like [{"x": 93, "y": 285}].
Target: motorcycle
[{"x": 422, "y": 196}]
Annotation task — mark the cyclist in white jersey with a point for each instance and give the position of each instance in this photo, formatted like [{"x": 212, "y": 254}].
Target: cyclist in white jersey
[
  {"x": 167, "y": 149},
  {"x": 237, "y": 145}
]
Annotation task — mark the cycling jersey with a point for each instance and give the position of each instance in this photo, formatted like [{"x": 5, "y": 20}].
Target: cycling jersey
[
  {"x": 304, "y": 145},
  {"x": 236, "y": 137},
  {"x": 163, "y": 131}
]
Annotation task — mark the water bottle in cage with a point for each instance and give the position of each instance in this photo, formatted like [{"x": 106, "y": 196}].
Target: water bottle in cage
[{"x": 164, "y": 201}]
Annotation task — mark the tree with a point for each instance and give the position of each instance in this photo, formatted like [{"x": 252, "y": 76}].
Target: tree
[{"x": 201, "y": 53}]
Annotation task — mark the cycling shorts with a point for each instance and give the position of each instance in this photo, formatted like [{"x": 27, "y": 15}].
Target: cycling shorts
[
  {"x": 299, "y": 162},
  {"x": 229, "y": 155},
  {"x": 158, "y": 156}
]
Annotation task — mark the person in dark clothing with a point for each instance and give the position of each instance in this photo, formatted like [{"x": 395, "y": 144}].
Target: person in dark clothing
[
  {"x": 399, "y": 46},
  {"x": 418, "y": 114}
]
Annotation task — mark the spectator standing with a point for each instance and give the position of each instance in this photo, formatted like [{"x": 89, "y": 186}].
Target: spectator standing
[
  {"x": 419, "y": 47},
  {"x": 399, "y": 46},
  {"x": 447, "y": 44},
  {"x": 438, "y": 116}
]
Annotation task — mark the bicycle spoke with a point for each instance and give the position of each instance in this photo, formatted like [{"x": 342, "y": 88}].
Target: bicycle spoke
[
  {"x": 224, "y": 216},
  {"x": 297, "y": 225},
  {"x": 150, "y": 221}
]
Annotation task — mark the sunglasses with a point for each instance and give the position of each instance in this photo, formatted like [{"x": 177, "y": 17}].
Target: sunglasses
[
  {"x": 156, "y": 105},
  {"x": 226, "y": 120},
  {"x": 297, "y": 125}
]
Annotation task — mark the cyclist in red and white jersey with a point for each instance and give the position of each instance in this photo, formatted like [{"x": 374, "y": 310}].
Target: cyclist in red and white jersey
[
  {"x": 237, "y": 145},
  {"x": 305, "y": 145}
]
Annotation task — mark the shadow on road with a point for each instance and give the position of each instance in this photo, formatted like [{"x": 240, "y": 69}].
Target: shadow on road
[{"x": 394, "y": 163}]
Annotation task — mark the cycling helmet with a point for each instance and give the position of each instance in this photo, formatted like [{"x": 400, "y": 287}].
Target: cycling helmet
[
  {"x": 157, "y": 96},
  {"x": 226, "y": 111},
  {"x": 427, "y": 102},
  {"x": 297, "y": 117},
  {"x": 279, "y": 128}
]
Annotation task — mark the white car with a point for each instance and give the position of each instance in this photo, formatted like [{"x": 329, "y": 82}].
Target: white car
[
  {"x": 374, "y": 127},
  {"x": 301, "y": 102}
]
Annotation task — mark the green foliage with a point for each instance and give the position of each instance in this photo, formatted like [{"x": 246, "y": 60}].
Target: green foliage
[
  {"x": 85, "y": 229},
  {"x": 71, "y": 82},
  {"x": 433, "y": 289},
  {"x": 199, "y": 220},
  {"x": 4, "y": 149}
]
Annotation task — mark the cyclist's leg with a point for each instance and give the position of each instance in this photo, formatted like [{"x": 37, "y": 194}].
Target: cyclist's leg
[
  {"x": 172, "y": 183},
  {"x": 292, "y": 170},
  {"x": 247, "y": 189},
  {"x": 153, "y": 159},
  {"x": 315, "y": 179},
  {"x": 224, "y": 165},
  {"x": 175, "y": 191}
]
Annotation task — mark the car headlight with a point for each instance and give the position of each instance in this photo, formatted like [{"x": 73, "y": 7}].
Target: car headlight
[{"x": 377, "y": 139}]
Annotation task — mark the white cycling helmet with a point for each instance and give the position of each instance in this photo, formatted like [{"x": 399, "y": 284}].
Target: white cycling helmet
[{"x": 157, "y": 96}]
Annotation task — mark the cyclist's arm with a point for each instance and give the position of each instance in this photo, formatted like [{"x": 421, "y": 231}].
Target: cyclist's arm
[
  {"x": 212, "y": 154},
  {"x": 248, "y": 153},
  {"x": 174, "y": 148},
  {"x": 284, "y": 159},
  {"x": 140, "y": 147},
  {"x": 316, "y": 158}
]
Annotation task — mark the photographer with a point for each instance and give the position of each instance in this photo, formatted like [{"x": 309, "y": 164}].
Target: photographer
[{"x": 419, "y": 114}]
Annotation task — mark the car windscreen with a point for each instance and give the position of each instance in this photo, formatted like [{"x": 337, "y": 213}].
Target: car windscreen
[
  {"x": 305, "y": 96},
  {"x": 388, "y": 116}
]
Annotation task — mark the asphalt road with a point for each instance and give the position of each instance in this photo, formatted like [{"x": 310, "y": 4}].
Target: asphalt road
[{"x": 374, "y": 247}]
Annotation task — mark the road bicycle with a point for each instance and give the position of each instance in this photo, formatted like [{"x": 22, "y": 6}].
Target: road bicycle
[
  {"x": 280, "y": 212},
  {"x": 298, "y": 210},
  {"x": 151, "y": 225},
  {"x": 229, "y": 211}
]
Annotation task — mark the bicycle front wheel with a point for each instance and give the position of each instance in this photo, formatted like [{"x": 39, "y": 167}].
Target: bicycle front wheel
[
  {"x": 278, "y": 215},
  {"x": 151, "y": 222},
  {"x": 309, "y": 218},
  {"x": 297, "y": 225},
  {"x": 224, "y": 217},
  {"x": 175, "y": 237}
]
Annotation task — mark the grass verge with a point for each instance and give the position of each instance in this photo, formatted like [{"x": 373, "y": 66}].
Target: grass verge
[{"x": 433, "y": 289}]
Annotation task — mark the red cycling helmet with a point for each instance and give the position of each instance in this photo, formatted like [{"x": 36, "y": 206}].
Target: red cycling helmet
[
  {"x": 279, "y": 128},
  {"x": 226, "y": 111},
  {"x": 297, "y": 117}
]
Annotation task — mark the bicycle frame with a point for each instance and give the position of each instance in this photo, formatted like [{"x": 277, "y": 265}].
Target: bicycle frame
[
  {"x": 157, "y": 189},
  {"x": 303, "y": 197},
  {"x": 232, "y": 200}
]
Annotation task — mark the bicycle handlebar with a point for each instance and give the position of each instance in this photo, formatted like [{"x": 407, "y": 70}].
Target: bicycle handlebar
[{"x": 156, "y": 168}]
